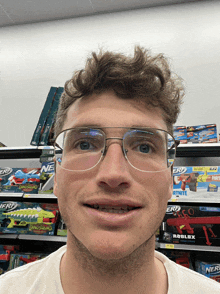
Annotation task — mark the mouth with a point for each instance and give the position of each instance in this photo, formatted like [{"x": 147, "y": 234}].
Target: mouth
[{"x": 119, "y": 209}]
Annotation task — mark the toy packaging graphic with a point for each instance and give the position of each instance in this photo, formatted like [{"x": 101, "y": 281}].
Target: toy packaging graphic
[
  {"x": 5, "y": 255},
  {"x": 62, "y": 229},
  {"x": 50, "y": 118},
  {"x": 192, "y": 225},
  {"x": 180, "y": 257},
  {"x": 19, "y": 180},
  {"x": 202, "y": 134},
  {"x": 180, "y": 134},
  {"x": 19, "y": 259},
  {"x": 43, "y": 117},
  {"x": 28, "y": 218},
  {"x": 196, "y": 181},
  {"x": 47, "y": 173},
  {"x": 208, "y": 269}
]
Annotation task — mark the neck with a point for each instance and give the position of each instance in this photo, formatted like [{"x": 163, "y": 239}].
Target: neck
[{"x": 139, "y": 272}]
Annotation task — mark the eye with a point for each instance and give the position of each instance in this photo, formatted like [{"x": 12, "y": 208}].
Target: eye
[
  {"x": 85, "y": 145},
  {"x": 144, "y": 148}
]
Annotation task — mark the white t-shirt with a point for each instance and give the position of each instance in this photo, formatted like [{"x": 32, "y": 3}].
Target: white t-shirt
[{"x": 43, "y": 277}]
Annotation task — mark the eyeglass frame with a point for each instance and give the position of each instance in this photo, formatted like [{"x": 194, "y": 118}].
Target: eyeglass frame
[{"x": 124, "y": 151}]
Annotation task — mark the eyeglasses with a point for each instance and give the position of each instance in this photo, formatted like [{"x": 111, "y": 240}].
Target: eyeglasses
[{"x": 145, "y": 149}]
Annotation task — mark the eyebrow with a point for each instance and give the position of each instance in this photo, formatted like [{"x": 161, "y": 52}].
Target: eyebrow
[{"x": 102, "y": 127}]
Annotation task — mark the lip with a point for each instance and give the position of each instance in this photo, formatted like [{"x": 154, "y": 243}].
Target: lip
[
  {"x": 108, "y": 219},
  {"x": 113, "y": 202}
]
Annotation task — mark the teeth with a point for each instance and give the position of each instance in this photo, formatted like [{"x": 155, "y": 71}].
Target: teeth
[{"x": 111, "y": 209}]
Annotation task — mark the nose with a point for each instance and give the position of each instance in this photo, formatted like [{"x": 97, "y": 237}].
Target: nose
[{"x": 114, "y": 171}]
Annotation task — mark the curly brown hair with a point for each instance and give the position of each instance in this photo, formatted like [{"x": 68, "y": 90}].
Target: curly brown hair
[{"x": 141, "y": 77}]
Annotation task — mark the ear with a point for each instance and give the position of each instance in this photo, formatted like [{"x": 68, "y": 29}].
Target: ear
[
  {"x": 170, "y": 190},
  {"x": 55, "y": 188}
]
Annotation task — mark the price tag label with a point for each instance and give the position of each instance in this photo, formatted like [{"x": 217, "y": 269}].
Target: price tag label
[
  {"x": 169, "y": 246},
  {"x": 26, "y": 195}
]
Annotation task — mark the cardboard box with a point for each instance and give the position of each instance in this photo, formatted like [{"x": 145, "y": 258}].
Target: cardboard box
[
  {"x": 202, "y": 134},
  {"x": 180, "y": 134},
  {"x": 196, "y": 181},
  {"x": 192, "y": 225},
  {"x": 19, "y": 180},
  {"x": 28, "y": 218},
  {"x": 208, "y": 269}
]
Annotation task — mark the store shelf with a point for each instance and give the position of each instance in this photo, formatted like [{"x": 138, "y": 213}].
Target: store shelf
[
  {"x": 187, "y": 247},
  {"x": 43, "y": 238},
  {"x": 40, "y": 196},
  {"x": 34, "y": 237},
  {"x": 28, "y": 197},
  {"x": 11, "y": 195},
  {"x": 203, "y": 200},
  {"x": 9, "y": 236},
  {"x": 198, "y": 150}
]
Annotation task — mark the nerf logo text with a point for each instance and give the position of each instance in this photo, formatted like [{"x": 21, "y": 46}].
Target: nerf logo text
[
  {"x": 174, "y": 208},
  {"x": 214, "y": 269},
  {"x": 48, "y": 168},
  {"x": 5, "y": 171},
  {"x": 8, "y": 205},
  {"x": 179, "y": 170}
]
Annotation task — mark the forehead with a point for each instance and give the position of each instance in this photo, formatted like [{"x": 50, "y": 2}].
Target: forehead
[{"x": 108, "y": 110}]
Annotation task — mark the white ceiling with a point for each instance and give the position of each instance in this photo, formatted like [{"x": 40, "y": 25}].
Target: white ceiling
[{"x": 16, "y": 12}]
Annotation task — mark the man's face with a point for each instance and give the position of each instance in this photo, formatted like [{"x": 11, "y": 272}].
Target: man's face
[{"x": 113, "y": 181}]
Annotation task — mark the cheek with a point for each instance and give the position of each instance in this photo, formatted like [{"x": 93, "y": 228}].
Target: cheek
[{"x": 159, "y": 184}]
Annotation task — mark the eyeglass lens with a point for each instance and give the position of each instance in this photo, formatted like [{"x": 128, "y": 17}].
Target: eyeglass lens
[{"x": 145, "y": 149}]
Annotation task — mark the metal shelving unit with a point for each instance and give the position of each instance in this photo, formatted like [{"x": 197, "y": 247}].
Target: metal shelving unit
[{"x": 187, "y": 154}]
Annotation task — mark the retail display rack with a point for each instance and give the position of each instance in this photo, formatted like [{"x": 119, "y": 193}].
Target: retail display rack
[{"x": 187, "y": 155}]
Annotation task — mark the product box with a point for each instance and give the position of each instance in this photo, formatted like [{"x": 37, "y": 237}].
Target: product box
[
  {"x": 62, "y": 229},
  {"x": 180, "y": 257},
  {"x": 28, "y": 218},
  {"x": 47, "y": 174},
  {"x": 50, "y": 118},
  {"x": 210, "y": 270},
  {"x": 196, "y": 181},
  {"x": 180, "y": 134},
  {"x": 19, "y": 180},
  {"x": 202, "y": 134},
  {"x": 43, "y": 117},
  {"x": 19, "y": 259},
  {"x": 192, "y": 225},
  {"x": 5, "y": 255}
]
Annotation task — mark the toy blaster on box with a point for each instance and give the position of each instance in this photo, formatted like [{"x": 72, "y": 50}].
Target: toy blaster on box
[
  {"x": 202, "y": 134},
  {"x": 19, "y": 259},
  {"x": 191, "y": 225},
  {"x": 28, "y": 218},
  {"x": 180, "y": 134},
  {"x": 201, "y": 181},
  {"x": 210, "y": 270},
  {"x": 18, "y": 180},
  {"x": 5, "y": 255}
]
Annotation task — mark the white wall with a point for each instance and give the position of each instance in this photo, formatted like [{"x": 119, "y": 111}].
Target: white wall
[{"x": 35, "y": 57}]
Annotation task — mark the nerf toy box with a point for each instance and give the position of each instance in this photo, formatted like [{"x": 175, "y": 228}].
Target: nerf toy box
[
  {"x": 180, "y": 134},
  {"x": 196, "y": 181},
  {"x": 28, "y": 218},
  {"x": 180, "y": 257},
  {"x": 210, "y": 270},
  {"x": 19, "y": 259},
  {"x": 202, "y": 134},
  {"x": 192, "y": 225},
  {"x": 19, "y": 180},
  {"x": 5, "y": 255},
  {"x": 62, "y": 229},
  {"x": 46, "y": 178}
]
